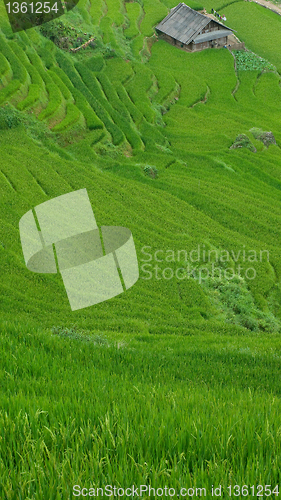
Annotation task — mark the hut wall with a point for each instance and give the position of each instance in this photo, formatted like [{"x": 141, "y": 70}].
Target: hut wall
[{"x": 194, "y": 47}]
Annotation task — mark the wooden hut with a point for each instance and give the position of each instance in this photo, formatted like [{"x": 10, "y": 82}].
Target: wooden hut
[{"x": 192, "y": 31}]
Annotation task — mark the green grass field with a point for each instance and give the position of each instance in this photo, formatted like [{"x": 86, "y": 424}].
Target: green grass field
[{"x": 175, "y": 383}]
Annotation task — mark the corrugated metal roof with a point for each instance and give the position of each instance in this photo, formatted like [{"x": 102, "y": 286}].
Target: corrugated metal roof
[
  {"x": 184, "y": 23},
  {"x": 212, "y": 35}
]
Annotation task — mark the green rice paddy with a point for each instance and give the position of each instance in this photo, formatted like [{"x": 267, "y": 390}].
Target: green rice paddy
[{"x": 175, "y": 383}]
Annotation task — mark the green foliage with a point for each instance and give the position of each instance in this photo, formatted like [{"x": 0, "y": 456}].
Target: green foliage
[
  {"x": 61, "y": 85},
  {"x": 135, "y": 113},
  {"x": 266, "y": 138},
  {"x": 64, "y": 36},
  {"x": 248, "y": 61},
  {"x": 101, "y": 106},
  {"x": 243, "y": 141},
  {"x": 81, "y": 102},
  {"x": 138, "y": 89},
  {"x": 237, "y": 303},
  {"x": 92, "y": 121},
  {"x": 151, "y": 171},
  {"x": 9, "y": 117}
]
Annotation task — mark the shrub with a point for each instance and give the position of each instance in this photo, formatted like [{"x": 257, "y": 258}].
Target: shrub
[
  {"x": 243, "y": 141},
  {"x": 9, "y": 117},
  {"x": 64, "y": 36},
  {"x": 151, "y": 171},
  {"x": 266, "y": 138}
]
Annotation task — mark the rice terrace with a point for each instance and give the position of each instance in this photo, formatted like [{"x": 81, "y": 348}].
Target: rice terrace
[{"x": 171, "y": 388}]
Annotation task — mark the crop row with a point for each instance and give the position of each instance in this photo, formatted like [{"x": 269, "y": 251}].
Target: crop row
[
  {"x": 81, "y": 102},
  {"x": 6, "y": 72},
  {"x": 121, "y": 121},
  {"x": 68, "y": 68},
  {"x": 134, "y": 13}
]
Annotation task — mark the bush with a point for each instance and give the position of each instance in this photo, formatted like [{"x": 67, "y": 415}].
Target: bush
[
  {"x": 266, "y": 138},
  {"x": 64, "y": 36},
  {"x": 151, "y": 171},
  {"x": 9, "y": 117},
  {"x": 243, "y": 141}
]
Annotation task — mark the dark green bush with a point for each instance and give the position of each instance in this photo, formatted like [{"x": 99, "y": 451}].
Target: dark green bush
[
  {"x": 243, "y": 141},
  {"x": 9, "y": 117}
]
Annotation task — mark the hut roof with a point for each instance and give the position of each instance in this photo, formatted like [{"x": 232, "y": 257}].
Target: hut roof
[{"x": 184, "y": 24}]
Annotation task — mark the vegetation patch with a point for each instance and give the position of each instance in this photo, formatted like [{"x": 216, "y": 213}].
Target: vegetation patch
[
  {"x": 235, "y": 302},
  {"x": 76, "y": 333},
  {"x": 248, "y": 61},
  {"x": 65, "y": 37},
  {"x": 150, "y": 171},
  {"x": 266, "y": 138},
  {"x": 243, "y": 141}
]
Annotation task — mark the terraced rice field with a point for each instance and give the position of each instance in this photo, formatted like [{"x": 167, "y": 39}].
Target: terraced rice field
[{"x": 177, "y": 381}]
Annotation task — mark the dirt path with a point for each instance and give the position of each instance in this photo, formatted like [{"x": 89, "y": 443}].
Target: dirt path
[{"x": 269, "y": 5}]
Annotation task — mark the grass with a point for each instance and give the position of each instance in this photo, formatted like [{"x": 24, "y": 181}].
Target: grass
[
  {"x": 263, "y": 33},
  {"x": 100, "y": 447},
  {"x": 134, "y": 13},
  {"x": 175, "y": 382}
]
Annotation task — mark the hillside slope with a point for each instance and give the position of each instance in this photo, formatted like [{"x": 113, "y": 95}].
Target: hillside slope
[{"x": 148, "y": 130}]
